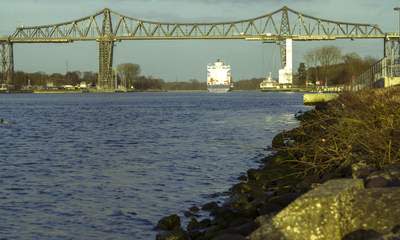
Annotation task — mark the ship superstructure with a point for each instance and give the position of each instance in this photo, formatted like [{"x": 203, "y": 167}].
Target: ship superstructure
[
  {"x": 269, "y": 84},
  {"x": 219, "y": 79}
]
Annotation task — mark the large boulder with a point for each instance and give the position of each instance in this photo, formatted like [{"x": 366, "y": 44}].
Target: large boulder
[
  {"x": 169, "y": 223},
  {"x": 176, "y": 234},
  {"x": 376, "y": 209},
  {"x": 334, "y": 210},
  {"x": 209, "y": 206}
]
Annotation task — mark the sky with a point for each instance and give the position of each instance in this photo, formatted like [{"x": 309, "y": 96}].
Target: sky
[{"x": 184, "y": 60}]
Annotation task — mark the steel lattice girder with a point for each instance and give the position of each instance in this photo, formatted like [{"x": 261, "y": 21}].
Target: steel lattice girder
[
  {"x": 106, "y": 51},
  {"x": 105, "y": 78},
  {"x": 279, "y": 25},
  {"x": 7, "y": 62}
]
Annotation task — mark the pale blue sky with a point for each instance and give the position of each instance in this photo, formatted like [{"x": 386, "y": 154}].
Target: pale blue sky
[{"x": 183, "y": 60}]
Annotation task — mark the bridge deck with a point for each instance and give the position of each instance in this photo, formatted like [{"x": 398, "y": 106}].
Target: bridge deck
[
  {"x": 3, "y": 39},
  {"x": 279, "y": 25},
  {"x": 240, "y": 37}
]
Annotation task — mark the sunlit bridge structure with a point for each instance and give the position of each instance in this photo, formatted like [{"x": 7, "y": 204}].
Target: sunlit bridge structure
[{"x": 108, "y": 28}]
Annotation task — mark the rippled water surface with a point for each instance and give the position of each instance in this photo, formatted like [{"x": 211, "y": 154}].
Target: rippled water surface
[{"x": 108, "y": 166}]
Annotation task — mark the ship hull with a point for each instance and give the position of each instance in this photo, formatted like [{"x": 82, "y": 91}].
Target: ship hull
[{"x": 219, "y": 89}]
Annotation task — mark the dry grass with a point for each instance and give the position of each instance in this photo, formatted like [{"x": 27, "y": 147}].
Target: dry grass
[{"x": 357, "y": 127}]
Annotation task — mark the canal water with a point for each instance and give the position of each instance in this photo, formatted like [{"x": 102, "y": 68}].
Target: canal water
[{"x": 108, "y": 166}]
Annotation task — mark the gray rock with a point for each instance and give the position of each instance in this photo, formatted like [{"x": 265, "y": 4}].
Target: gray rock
[
  {"x": 376, "y": 209},
  {"x": 394, "y": 183},
  {"x": 363, "y": 235},
  {"x": 209, "y": 206},
  {"x": 247, "y": 228},
  {"x": 194, "y": 225},
  {"x": 194, "y": 209},
  {"x": 377, "y": 182},
  {"x": 189, "y": 214},
  {"x": 361, "y": 170},
  {"x": 380, "y": 173},
  {"x": 332, "y": 211},
  {"x": 269, "y": 208},
  {"x": 393, "y": 170}
]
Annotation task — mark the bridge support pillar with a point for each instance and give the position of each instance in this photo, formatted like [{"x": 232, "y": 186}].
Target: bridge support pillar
[
  {"x": 106, "y": 51},
  {"x": 105, "y": 78},
  {"x": 7, "y": 63},
  {"x": 286, "y": 73},
  {"x": 282, "y": 46}
]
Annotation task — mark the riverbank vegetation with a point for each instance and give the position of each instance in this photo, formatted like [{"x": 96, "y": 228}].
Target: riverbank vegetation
[
  {"x": 357, "y": 129},
  {"x": 362, "y": 126}
]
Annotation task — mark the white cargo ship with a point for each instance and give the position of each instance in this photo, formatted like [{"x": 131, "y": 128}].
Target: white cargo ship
[{"x": 219, "y": 79}]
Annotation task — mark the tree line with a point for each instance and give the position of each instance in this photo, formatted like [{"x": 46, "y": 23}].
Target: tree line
[
  {"x": 23, "y": 79},
  {"x": 128, "y": 76},
  {"x": 329, "y": 66},
  {"x": 326, "y": 65}
]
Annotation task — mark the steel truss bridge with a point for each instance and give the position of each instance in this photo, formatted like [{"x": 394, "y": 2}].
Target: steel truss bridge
[{"x": 108, "y": 27}]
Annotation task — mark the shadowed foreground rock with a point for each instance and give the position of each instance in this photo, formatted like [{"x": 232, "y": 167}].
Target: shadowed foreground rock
[
  {"x": 169, "y": 223},
  {"x": 333, "y": 210},
  {"x": 177, "y": 234}
]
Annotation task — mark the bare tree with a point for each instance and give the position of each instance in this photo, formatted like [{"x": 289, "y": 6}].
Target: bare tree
[
  {"x": 311, "y": 59},
  {"x": 128, "y": 72},
  {"x": 328, "y": 56}
]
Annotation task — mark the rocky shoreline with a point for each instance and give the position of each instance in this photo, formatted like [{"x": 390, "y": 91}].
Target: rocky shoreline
[{"x": 342, "y": 150}]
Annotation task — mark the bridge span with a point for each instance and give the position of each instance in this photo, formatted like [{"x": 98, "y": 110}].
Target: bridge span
[{"x": 107, "y": 28}]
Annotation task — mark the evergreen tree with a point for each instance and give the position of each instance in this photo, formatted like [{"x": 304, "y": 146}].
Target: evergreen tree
[{"x": 302, "y": 74}]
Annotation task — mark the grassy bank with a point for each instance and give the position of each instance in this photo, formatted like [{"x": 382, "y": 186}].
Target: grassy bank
[{"x": 356, "y": 128}]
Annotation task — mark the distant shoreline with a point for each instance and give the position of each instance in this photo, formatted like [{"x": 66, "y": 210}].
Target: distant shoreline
[{"x": 141, "y": 91}]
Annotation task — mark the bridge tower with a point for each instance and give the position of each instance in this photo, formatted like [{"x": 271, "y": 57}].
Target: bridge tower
[
  {"x": 7, "y": 62},
  {"x": 284, "y": 31},
  {"x": 286, "y": 47},
  {"x": 106, "y": 51}
]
